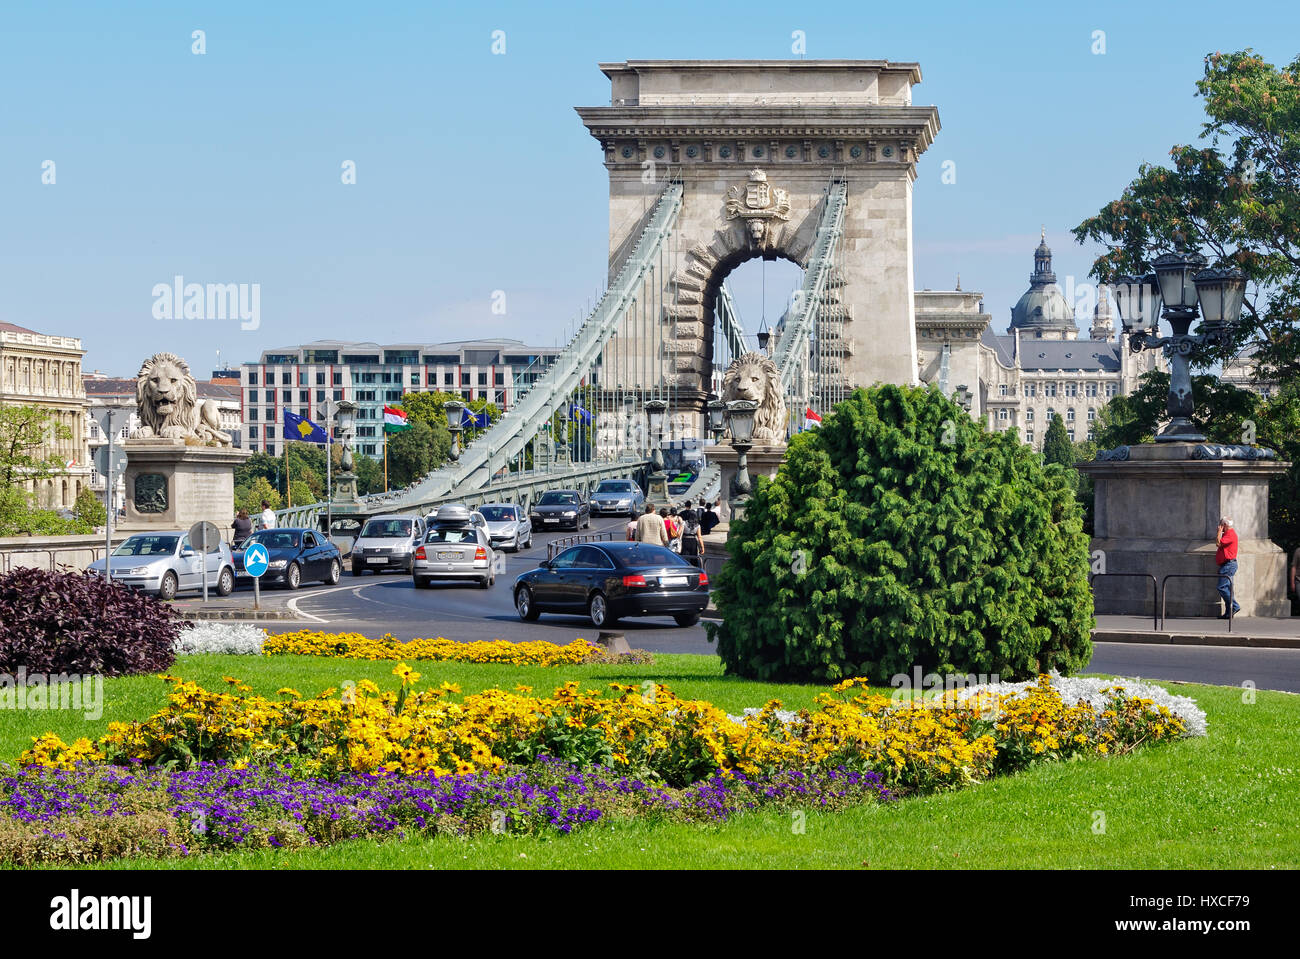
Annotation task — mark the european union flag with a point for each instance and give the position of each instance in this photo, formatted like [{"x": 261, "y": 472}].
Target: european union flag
[{"x": 302, "y": 429}]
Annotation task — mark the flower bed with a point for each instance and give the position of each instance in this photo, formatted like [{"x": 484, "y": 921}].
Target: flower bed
[
  {"x": 917, "y": 746},
  {"x": 355, "y": 646},
  {"x": 105, "y": 812}
]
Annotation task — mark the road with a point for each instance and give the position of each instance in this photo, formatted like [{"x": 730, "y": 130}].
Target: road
[{"x": 388, "y": 602}]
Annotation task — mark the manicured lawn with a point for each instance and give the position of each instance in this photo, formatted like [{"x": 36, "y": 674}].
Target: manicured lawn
[{"x": 1229, "y": 801}]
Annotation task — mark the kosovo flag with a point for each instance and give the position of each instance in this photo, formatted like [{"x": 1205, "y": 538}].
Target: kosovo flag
[
  {"x": 302, "y": 429},
  {"x": 576, "y": 412},
  {"x": 474, "y": 421}
]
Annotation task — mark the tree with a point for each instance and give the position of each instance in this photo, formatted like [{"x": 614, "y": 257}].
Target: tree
[
  {"x": 259, "y": 490},
  {"x": 1222, "y": 411},
  {"x": 410, "y": 454},
  {"x": 900, "y": 534},
  {"x": 89, "y": 509},
  {"x": 303, "y": 494},
  {"x": 1057, "y": 446},
  {"x": 26, "y": 432},
  {"x": 1237, "y": 197}
]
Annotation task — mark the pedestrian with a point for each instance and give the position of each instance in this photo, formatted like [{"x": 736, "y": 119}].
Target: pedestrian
[
  {"x": 708, "y": 520},
  {"x": 650, "y": 528},
  {"x": 1226, "y": 558},
  {"x": 242, "y": 526},
  {"x": 692, "y": 540},
  {"x": 631, "y": 526},
  {"x": 673, "y": 526},
  {"x": 268, "y": 517}
]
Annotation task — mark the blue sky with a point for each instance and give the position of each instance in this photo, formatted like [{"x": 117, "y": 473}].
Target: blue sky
[{"x": 473, "y": 172}]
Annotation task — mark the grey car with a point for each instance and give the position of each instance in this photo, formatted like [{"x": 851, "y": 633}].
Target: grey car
[
  {"x": 165, "y": 563},
  {"x": 456, "y": 550},
  {"x": 617, "y": 496},
  {"x": 387, "y": 542},
  {"x": 508, "y": 526}
]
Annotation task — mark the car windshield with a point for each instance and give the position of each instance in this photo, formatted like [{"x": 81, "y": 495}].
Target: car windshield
[
  {"x": 555, "y": 498},
  {"x": 498, "y": 514},
  {"x": 646, "y": 554},
  {"x": 275, "y": 539},
  {"x": 386, "y": 528},
  {"x": 451, "y": 534},
  {"x": 153, "y": 545},
  {"x": 614, "y": 486}
]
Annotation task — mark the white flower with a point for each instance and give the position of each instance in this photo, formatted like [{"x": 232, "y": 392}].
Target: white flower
[{"x": 243, "y": 639}]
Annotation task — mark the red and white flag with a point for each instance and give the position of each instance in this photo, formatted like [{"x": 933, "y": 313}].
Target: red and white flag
[{"x": 811, "y": 419}]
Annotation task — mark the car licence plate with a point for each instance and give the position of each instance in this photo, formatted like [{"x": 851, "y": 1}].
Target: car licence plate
[
  {"x": 672, "y": 580},
  {"x": 452, "y": 554},
  {"x": 377, "y": 559},
  {"x": 550, "y": 520}
]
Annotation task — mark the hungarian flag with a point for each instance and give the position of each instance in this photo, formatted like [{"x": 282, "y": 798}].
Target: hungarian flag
[
  {"x": 811, "y": 419},
  {"x": 395, "y": 420}
]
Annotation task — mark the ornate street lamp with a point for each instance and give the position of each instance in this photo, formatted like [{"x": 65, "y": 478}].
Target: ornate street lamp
[
  {"x": 658, "y": 485},
  {"x": 717, "y": 416},
  {"x": 740, "y": 420},
  {"x": 1172, "y": 292},
  {"x": 455, "y": 423},
  {"x": 764, "y": 334}
]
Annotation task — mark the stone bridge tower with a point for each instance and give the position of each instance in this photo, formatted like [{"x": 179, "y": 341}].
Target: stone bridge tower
[{"x": 756, "y": 143}]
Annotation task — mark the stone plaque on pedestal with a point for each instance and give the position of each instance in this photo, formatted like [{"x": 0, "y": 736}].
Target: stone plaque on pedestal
[
  {"x": 170, "y": 485},
  {"x": 1156, "y": 511}
]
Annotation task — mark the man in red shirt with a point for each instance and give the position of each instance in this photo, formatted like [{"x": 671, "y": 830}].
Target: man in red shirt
[{"x": 1226, "y": 559}]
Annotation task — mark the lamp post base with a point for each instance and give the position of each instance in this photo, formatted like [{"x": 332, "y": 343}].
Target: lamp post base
[{"x": 1180, "y": 430}]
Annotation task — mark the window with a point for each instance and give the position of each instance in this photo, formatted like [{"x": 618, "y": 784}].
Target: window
[
  {"x": 1071, "y": 389},
  {"x": 1029, "y": 436},
  {"x": 302, "y": 377},
  {"x": 252, "y": 378},
  {"x": 338, "y": 395},
  {"x": 482, "y": 379},
  {"x": 1031, "y": 389},
  {"x": 320, "y": 379},
  {"x": 1069, "y": 416},
  {"x": 252, "y": 396},
  {"x": 252, "y": 431},
  {"x": 270, "y": 448},
  {"x": 448, "y": 379},
  {"x": 304, "y": 396},
  {"x": 1049, "y": 389},
  {"x": 1110, "y": 389},
  {"x": 1091, "y": 436},
  {"x": 466, "y": 395},
  {"x": 338, "y": 379},
  {"x": 1029, "y": 416},
  {"x": 252, "y": 413},
  {"x": 320, "y": 396},
  {"x": 1092, "y": 415},
  {"x": 285, "y": 378},
  {"x": 1002, "y": 389},
  {"x": 499, "y": 379},
  {"x": 286, "y": 396},
  {"x": 464, "y": 379},
  {"x": 270, "y": 431},
  {"x": 415, "y": 379},
  {"x": 1091, "y": 389},
  {"x": 1003, "y": 415}
]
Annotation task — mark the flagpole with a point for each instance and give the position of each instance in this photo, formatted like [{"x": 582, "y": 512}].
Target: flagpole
[
  {"x": 288, "y": 488},
  {"x": 385, "y": 458}
]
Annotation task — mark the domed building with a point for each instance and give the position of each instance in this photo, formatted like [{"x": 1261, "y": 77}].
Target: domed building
[
  {"x": 1042, "y": 312},
  {"x": 1039, "y": 367}
]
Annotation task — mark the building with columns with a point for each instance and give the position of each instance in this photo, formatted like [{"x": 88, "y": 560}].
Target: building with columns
[
  {"x": 37, "y": 369},
  {"x": 1040, "y": 366}
]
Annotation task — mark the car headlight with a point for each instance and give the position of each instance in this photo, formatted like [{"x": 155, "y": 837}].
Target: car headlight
[
  {"x": 139, "y": 571},
  {"x": 570, "y": 512},
  {"x": 277, "y": 564}
]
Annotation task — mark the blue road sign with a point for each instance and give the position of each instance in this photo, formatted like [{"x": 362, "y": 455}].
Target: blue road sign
[{"x": 256, "y": 560}]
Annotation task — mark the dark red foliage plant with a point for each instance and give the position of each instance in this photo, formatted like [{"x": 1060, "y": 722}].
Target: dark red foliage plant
[{"x": 52, "y": 622}]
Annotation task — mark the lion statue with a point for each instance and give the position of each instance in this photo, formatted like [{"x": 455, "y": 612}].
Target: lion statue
[
  {"x": 167, "y": 400},
  {"x": 754, "y": 377}
]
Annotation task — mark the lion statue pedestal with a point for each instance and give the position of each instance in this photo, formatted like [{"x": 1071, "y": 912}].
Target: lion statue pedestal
[{"x": 180, "y": 466}]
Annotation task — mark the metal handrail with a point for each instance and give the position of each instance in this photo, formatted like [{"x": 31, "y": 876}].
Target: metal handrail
[
  {"x": 1155, "y": 602},
  {"x": 564, "y": 542},
  {"x": 1164, "y": 595}
]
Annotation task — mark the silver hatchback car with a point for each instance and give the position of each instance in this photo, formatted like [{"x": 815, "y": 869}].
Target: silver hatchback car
[
  {"x": 165, "y": 563},
  {"x": 508, "y": 526}
]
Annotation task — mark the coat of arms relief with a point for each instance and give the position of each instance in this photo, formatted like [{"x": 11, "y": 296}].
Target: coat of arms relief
[{"x": 758, "y": 203}]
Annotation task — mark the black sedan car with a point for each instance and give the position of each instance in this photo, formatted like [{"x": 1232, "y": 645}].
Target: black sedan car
[
  {"x": 558, "y": 508},
  {"x": 296, "y": 555},
  {"x": 608, "y": 580}
]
